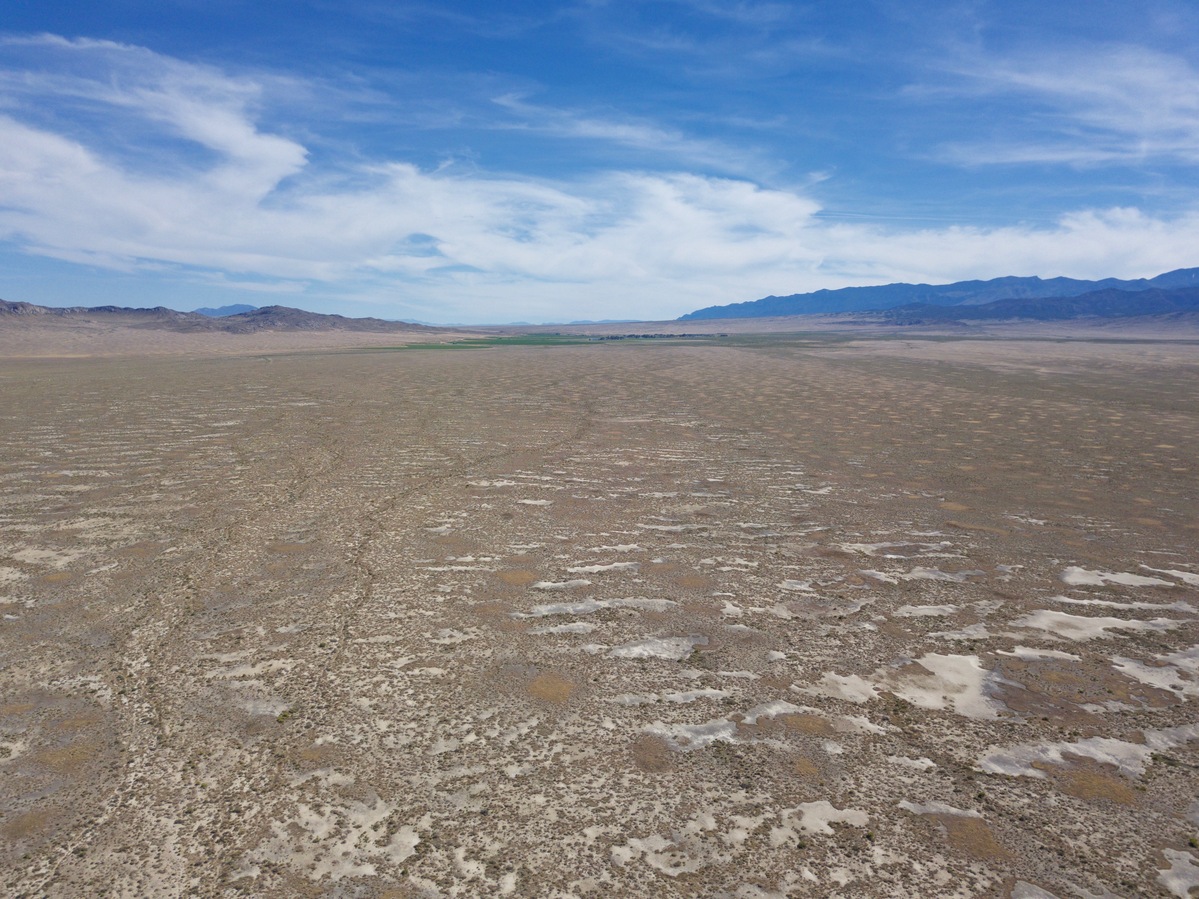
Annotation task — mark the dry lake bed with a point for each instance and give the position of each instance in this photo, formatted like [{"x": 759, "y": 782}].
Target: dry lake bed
[{"x": 745, "y": 617}]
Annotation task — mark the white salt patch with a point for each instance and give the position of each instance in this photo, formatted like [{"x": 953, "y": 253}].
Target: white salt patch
[
  {"x": 1018, "y": 761},
  {"x": 1129, "y": 758},
  {"x": 937, "y": 808},
  {"x": 576, "y": 627},
  {"x": 957, "y": 681},
  {"x": 797, "y": 586},
  {"x": 648, "y": 605},
  {"x": 815, "y": 817},
  {"x": 1186, "y": 659},
  {"x": 1026, "y": 654},
  {"x": 587, "y": 606},
  {"x": 920, "y": 764},
  {"x": 878, "y": 576},
  {"x": 1183, "y": 874},
  {"x": 731, "y": 610},
  {"x": 266, "y": 667},
  {"x": 561, "y": 585},
  {"x": 921, "y": 574},
  {"x": 499, "y": 483},
  {"x": 849, "y": 687},
  {"x": 1080, "y": 627},
  {"x": 773, "y": 709},
  {"x": 924, "y": 611},
  {"x": 597, "y": 569},
  {"x": 672, "y": 648},
  {"x": 1168, "y": 674},
  {"x": 935, "y": 574},
  {"x": 1178, "y": 606},
  {"x": 687, "y": 737},
  {"x": 535, "y": 502},
  {"x": 1187, "y": 577},
  {"x": 874, "y": 549},
  {"x": 618, "y": 548},
  {"x": 1083, "y": 577}
]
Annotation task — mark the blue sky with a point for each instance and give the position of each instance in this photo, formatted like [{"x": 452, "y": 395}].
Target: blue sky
[{"x": 482, "y": 162}]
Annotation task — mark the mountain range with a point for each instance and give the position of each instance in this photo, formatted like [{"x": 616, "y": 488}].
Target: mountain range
[
  {"x": 266, "y": 318},
  {"x": 222, "y": 311},
  {"x": 1049, "y": 291}
]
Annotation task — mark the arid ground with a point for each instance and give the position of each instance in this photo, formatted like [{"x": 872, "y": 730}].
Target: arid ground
[{"x": 745, "y": 617}]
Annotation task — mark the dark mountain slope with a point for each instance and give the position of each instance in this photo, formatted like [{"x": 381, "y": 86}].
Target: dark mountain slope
[
  {"x": 889, "y": 296},
  {"x": 1100, "y": 303}
]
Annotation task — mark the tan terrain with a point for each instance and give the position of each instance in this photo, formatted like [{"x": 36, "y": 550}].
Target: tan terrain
[{"x": 739, "y": 617}]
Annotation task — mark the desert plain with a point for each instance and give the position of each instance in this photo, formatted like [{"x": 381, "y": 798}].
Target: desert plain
[{"x": 749, "y": 616}]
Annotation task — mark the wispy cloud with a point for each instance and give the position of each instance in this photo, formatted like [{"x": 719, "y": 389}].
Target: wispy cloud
[
  {"x": 707, "y": 39},
  {"x": 1083, "y": 106},
  {"x": 658, "y": 142}
]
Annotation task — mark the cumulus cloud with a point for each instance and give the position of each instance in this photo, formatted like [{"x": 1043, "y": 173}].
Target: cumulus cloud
[{"x": 241, "y": 206}]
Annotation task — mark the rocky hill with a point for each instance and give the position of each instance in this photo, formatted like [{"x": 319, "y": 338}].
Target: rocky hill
[{"x": 267, "y": 318}]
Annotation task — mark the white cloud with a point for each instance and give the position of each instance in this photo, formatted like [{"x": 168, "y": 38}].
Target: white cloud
[
  {"x": 1087, "y": 106},
  {"x": 252, "y": 212},
  {"x": 630, "y": 132}
]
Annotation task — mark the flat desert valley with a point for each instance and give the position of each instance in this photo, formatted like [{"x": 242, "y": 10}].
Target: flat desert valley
[{"x": 744, "y": 616}]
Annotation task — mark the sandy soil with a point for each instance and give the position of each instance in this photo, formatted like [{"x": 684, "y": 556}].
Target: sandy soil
[
  {"x": 36, "y": 338},
  {"x": 768, "y": 616}
]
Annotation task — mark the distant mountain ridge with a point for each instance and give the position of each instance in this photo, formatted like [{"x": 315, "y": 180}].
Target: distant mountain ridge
[
  {"x": 266, "y": 318},
  {"x": 1109, "y": 303},
  {"x": 960, "y": 293},
  {"x": 222, "y": 311}
]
